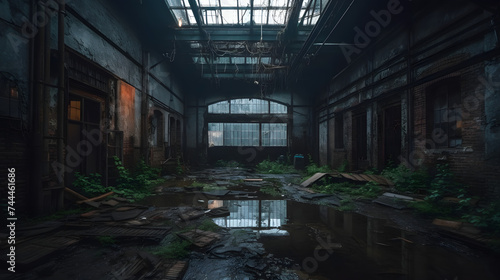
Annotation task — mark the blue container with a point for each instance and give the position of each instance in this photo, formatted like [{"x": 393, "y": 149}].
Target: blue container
[{"x": 299, "y": 162}]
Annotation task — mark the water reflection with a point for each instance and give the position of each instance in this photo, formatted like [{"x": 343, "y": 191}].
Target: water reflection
[
  {"x": 352, "y": 241},
  {"x": 256, "y": 214}
]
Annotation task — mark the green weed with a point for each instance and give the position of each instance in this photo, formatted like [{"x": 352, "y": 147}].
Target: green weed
[
  {"x": 176, "y": 249},
  {"x": 273, "y": 167},
  {"x": 106, "y": 240}
]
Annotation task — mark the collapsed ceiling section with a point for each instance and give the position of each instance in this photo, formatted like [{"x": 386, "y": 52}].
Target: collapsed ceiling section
[{"x": 243, "y": 39}]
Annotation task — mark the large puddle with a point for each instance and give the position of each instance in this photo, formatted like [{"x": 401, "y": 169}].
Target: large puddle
[{"x": 325, "y": 243}]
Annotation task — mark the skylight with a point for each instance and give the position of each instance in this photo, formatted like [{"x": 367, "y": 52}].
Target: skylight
[{"x": 238, "y": 12}]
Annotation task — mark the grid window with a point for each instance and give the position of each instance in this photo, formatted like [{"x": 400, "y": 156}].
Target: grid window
[
  {"x": 274, "y": 134},
  {"x": 247, "y": 106}
]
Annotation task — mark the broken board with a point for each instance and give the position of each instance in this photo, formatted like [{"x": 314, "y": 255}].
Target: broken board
[
  {"x": 176, "y": 271},
  {"x": 200, "y": 238},
  {"x": 349, "y": 176}
]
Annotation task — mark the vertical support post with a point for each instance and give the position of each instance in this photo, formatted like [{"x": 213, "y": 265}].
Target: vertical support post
[{"x": 60, "y": 100}]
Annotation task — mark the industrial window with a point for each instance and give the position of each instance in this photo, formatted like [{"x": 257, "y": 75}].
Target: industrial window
[
  {"x": 273, "y": 134},
  {"x": 445, "y": 114},
  {"x": 247, "y": 106},
  {"x": 258, "y": 128},
  {"x": 339, "y": 131},
  {"x": 247, "y": 134}
]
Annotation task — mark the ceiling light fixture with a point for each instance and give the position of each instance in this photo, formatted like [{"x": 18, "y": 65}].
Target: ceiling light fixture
[{"x": 180, "y": 22}]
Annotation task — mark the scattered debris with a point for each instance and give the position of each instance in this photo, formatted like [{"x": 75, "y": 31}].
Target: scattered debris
[
  {"x": 127, "y": 232},
  {"x": 75, "y": 194},
  {"x": 95, "y": 198},
  {"x": 342, "y": 177},
  {"x": 110, "y": 202},
  {"x": 176, "y": 271},
  {"x": 252, "y": 180},
  {"x": 191, "y": 214},
  {"x": 200, "y": 238},
  {"x": 126, "y": 215}
]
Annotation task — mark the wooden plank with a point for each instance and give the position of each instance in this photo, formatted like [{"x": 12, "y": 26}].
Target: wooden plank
[
  {"x": 313, "y": 179},
  {"x": 200, "y": 238},
  {"x": 365, "y": 177},
  {"x": 75, "y": 194},
  {"x": 96, "y": 198},
  {"x": 348, "y": 176},
  {"x": 252, "y": 180},
  {"x": 176, "y": 271}
]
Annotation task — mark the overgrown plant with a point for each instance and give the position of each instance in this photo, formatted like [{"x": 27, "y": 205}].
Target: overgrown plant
[
  {"x": 91, "y": 185},
  {"x": 176, "y": 249},
  {"x": 273, "y": 167},
  {"x": 312, "y": 168},
  {"x": 406, "y": 180}
]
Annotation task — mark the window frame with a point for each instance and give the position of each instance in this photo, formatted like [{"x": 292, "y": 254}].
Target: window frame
[
  {"x": 439, "y": 127},
  {"x": 226, "y": 117}
]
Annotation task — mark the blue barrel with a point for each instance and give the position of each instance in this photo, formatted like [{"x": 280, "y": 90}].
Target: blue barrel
[{"x": 299, "y": 162}]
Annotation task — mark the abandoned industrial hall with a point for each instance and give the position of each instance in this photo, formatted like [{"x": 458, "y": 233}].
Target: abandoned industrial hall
[{"x": 250, "y": 122}]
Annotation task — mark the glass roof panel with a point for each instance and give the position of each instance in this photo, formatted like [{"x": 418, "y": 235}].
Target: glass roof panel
[
  {"x": 228, "y": 3},
  {"x": 174, "y": 3},
  {"x": 279, "y": 3},
  {"x": 208, "y": 3},
  {"x": 260, "y": 3},
  {"x": 230, "y": 16},
  {"x": 260, "y": 16},
  {"x": 243, "y": 3}
]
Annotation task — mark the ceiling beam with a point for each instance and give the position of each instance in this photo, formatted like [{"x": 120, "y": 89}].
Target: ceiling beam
[
  {"x": 293, "y": 20},
  {"x": 318, "y": 28},
  {"x": 230, "y": 34},
  {"x": 202, "y": 32}
]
